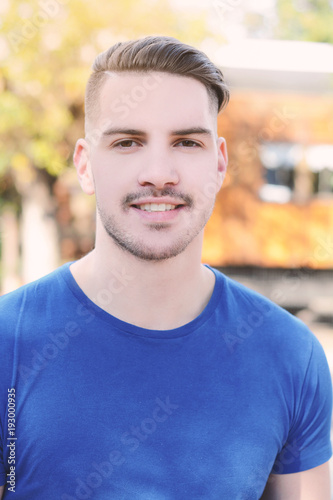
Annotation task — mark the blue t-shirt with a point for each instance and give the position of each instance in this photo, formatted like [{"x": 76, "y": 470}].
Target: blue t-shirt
[{"x": 95, "y": 408}]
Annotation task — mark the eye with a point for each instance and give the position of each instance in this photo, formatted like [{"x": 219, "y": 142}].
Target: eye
[
  {"x": 188, "y": 143},
  {"x": 126, "y": 144}
]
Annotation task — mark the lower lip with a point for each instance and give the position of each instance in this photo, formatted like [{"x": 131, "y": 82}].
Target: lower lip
[{"x": 166, "y": 216}]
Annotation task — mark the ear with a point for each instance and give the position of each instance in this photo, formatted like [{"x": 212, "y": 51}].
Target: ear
[
  {"x": 222, "y": 160},
  {"x": 83, "y": 167}
]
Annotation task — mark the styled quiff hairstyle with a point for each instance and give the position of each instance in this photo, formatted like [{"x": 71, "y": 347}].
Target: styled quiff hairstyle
[{"x": 155, "y": 53}]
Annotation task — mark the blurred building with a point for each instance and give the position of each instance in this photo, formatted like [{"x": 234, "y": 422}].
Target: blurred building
[{"x": 276, "y": 208}]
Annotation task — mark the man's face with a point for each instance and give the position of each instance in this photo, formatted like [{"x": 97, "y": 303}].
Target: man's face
[{"x": 154, "y": 162}]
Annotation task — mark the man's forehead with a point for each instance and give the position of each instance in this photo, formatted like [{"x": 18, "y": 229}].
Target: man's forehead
[
  {"x": 132, "y": 88},
  {"x": 135, "y": 100}
]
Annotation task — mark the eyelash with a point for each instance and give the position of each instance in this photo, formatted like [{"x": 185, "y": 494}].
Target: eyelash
[
  {"x": 194, "y": 144},
  {"x": 118, "y": 144}
]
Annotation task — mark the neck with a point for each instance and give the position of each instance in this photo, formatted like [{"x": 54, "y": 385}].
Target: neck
[{"x": 154, "y": 295}]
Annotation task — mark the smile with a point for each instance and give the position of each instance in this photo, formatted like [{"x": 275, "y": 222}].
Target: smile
[{"x": 156, "y": 207}]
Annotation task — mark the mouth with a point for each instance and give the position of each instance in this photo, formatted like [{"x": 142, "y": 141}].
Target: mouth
[{"x": 157, "y": 207}]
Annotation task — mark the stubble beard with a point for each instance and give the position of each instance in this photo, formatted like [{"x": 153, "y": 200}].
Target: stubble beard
[{"x": 139, "y": 249}]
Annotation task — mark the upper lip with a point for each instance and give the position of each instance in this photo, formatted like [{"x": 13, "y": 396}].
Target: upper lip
[{"x": 162, "y": 200}]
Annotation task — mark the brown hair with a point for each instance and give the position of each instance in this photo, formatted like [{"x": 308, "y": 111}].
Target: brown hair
[{"x": 156, "y": 53}]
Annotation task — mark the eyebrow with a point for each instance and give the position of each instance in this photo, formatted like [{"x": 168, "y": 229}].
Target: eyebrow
[
  {"x": 140, "y": 133},
  {"x": 193, "y": 130},
  {"x": 126, "y": 131}
]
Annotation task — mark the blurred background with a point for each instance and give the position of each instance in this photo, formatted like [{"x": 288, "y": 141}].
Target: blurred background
[
  {"x": 272, "y": 227},
  {"x": 273, "y": 224}
]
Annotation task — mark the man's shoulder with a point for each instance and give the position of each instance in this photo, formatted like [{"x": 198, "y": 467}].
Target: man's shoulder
[
  {"x": 238, "y": 296},
  {"x": 255, "y": 316},
  {"x": 30, "y": 293}
]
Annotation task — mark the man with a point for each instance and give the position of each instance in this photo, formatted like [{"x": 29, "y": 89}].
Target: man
[{"x": 137, "y": 372}]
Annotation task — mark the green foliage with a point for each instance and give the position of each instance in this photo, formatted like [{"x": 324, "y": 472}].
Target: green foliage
[{"x": 308, "y": 20}]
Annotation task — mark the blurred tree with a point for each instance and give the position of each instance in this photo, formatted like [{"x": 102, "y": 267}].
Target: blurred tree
[
  {"x": 308, "y": 20},
  {"x": 47, "y": 48}
]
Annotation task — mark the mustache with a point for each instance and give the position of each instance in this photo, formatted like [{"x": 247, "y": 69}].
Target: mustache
[{"x": 157, "y": 193}]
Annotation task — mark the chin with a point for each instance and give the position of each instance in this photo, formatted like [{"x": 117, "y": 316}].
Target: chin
[{"x": 151, "y": 255}]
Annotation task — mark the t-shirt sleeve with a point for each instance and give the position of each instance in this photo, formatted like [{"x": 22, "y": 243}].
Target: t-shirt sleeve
[{"x": 308, "y": 444}]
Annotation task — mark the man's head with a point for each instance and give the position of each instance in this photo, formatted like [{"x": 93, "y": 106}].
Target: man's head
[
  {"x": 154, "y": 54},
  {"x": 151, "y": 154}
]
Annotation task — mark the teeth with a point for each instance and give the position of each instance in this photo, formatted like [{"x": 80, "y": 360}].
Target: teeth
[{"x": 156, "y": 207}]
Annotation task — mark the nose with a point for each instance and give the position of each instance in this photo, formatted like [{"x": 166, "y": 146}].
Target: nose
[{"x": 158, "y": 170}]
